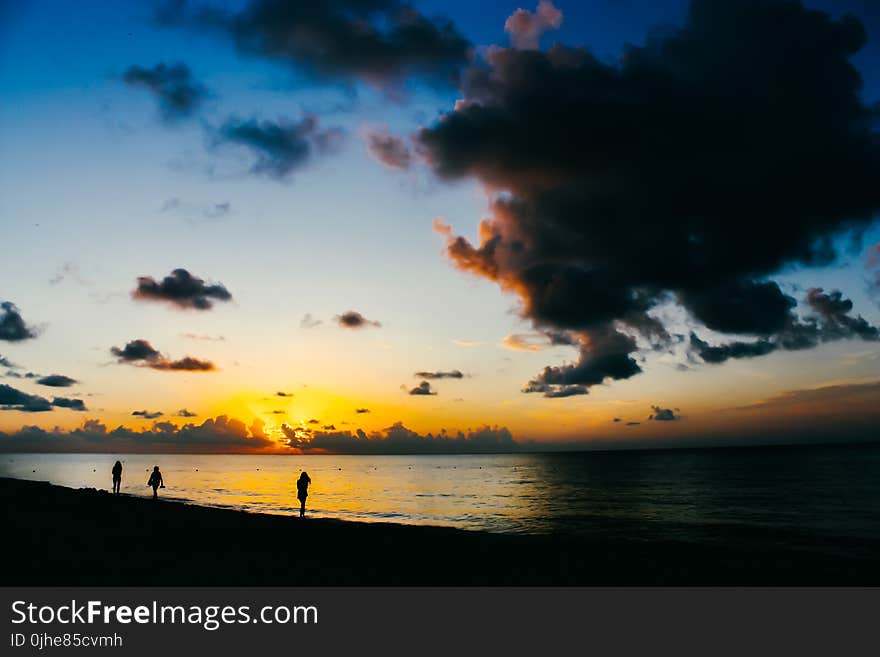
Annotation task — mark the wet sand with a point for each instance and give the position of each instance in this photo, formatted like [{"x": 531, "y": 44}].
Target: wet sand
[{"x": 57, "y": 536}]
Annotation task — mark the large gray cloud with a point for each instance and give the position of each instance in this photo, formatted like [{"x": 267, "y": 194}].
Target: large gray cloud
[
  {"x": 830, "y": 319},
  {"x": 381, "y": 42},
  {"x": 693, "y": 169}
]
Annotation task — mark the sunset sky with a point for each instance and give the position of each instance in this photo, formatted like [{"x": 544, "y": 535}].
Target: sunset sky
[{"x": 270, "y": 212}]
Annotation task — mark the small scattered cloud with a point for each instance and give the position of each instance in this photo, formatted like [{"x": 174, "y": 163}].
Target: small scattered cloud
[
  {"x": 354, "y": 320},
  {"x": 203, "y": 337},
  {"x": 5, "y": 362},
  {"x": 309, "y": 322},
  {"x": 524, "y": 342},
  {"x": 360, "y": 411},
  {"x": 279, "y": 147},
  {"x": 525, "y": 28},
  {"x": 148, "y": 415},
  {"x": 467, "y": 343},
  {"x": 72, "y": 404},
  {"x": 663, "y": 414},
  {"x": 13, "y": 328},
  {"x": 452, "y": 374},
  {"x": 185, "y": 413},
  {"x": 198, "y": 212},
  {"x": 182, "y": 290},
  {"x": 282, "y": 393},
  {"x": 141, "y": 353},
  {"x": 424, "y": 388},
  {"x": 178, "y": 93},
  {"x": 391, "y": 151},
  {"x": 69, "y": 271},
  {"x": 57, "y": 381}
]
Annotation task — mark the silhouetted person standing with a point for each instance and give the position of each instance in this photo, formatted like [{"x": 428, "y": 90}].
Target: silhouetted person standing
[
  {"x": 302, "y": 492},
  {"x": 117, "y": 477},
  {"x": 155, "y": 481}
]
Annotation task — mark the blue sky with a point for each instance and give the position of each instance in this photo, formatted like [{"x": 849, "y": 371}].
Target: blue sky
[{"x": 96, "y": 190}]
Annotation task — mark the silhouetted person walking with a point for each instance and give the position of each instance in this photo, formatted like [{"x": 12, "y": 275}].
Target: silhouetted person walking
[
  {"x": 117, "y": 477},
  {"x": 155, "y": 481},
  {"x": 302, "y": 492}
]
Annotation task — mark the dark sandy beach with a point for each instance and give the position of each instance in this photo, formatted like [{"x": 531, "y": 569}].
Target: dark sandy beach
[{"x": 61, "y": 536}]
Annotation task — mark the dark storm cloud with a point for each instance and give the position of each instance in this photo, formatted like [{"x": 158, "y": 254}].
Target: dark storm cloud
[
  {"x": 220, "y": 434},
  {"x": 12, "y": 326},
  {"x": 178, "y": 93},
  {"x": 452, "y": 374},
  {"x": 397, "y": 439},
  {"x": 391, "y": 151},
  {"x": 72, "y": 404},
  {"x": 279, "y": 147},
  {"x": 662, "y": 414},
  {"x": 181, "y": 289},
  {"x": 142, "y": 354},
  {"x": 424, "y": 388},
  {"x": 354, "y": 320},
  {"x": 378, "y": 41},
  {"x": 694, "y": 168},
  {"x": 828, "y": 321},
  {"x": 604, "y": 355},
  {"x": 57, "y": 381},
  {"x": 148, "y": 415}
]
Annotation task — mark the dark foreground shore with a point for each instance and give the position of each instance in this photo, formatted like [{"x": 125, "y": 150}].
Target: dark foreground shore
[{"x": 58, "y": 536}]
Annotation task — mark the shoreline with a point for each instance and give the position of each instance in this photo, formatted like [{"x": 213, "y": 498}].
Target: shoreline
[{"x": 61, "y": 536}]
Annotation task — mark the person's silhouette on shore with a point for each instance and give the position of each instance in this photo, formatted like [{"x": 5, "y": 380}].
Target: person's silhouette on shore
[
  {"x": 156, "y": 481},
  {"x": 302, "y": 491},
  {"x": 117, "y": 477}
]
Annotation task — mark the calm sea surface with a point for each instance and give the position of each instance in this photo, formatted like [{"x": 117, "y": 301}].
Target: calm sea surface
[{"x": 830, "y": 494}]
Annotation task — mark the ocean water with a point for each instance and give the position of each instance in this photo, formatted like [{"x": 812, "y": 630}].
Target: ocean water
[{"x": 806, "y": 495}]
